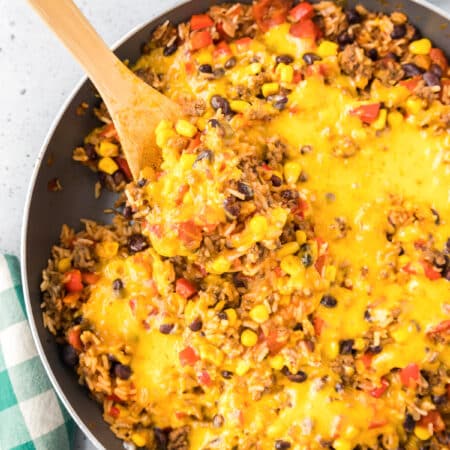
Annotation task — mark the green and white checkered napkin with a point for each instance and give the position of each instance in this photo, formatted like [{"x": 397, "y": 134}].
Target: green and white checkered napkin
[{"x": 31, "y": 415}]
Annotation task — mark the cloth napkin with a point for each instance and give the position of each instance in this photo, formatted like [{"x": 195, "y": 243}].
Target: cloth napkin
[{"x": 31, "y": 415}]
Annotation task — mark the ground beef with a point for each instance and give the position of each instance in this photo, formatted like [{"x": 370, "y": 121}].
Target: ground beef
[
  {"x": 354, "y": 62},
  {"x": 178, "y": 439}
]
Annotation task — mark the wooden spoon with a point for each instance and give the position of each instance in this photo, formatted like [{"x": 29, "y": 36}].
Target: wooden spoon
[{"x": 135, "y": 107}]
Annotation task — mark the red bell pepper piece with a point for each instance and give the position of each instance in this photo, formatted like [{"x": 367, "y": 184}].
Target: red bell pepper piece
[
  {"x": 185, "y": 288},
  {"x": 273, "y": 342},
  {"x": 411, "y": 83},
  {"x": 409, "y": 375},
  {"x": 430, "y": 272},
  {"x": 73, "y": 281},
  {"x": 306, "y": 29},
  {"x": 73, "y": 337},
  {"x": 109, "y": 131},
  {"x": 379, "y": 391},
  {"x": 204, "y": 378},
  {"x": 367, "y": 113},
  {"x": 90, "y": 277},
  {"x": 114, "y": 412},
  {"x": 318, "y": 324},
  {"x": 200, "y": 21},
  {"x": 222, "y": 49},
  {"x": 366, "y": 359},
  {"x": 124, "y": 167},
  {"x": 243, "y": 43},
  {"x": 269, "y": 13},
  {"x": 437, "y": 56},
  {"x": 408, "y": 269},
  {"x": 301, "y": 12},
  {"x": 189, "y": 233},
  {"x": 201, "y": 39},
  {"x": 188, "y": 356}
]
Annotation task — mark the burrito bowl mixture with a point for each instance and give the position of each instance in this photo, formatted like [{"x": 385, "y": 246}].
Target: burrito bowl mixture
[{"x": 282, "y": 281}]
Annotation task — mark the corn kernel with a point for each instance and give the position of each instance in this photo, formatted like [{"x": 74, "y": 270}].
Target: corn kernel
[
  {"x": 204, "y": 56},
  {"x": 401, "y": 335},
  {"x": 285, "y": 72},
  {"x": 300, "y": 235},
  {"x": 420, "y": 47},
  {"x": 108, "y": 149},
  {"x": 231, "y": 316},
  {"x": 288, "y": 249},
  {"x": 139, "y": 439},
  {"x": 327, "y": 48},
  {"x": 380, "y": 121},
  {"x": 108, "y": 165},
  {"x": 291, "y": 265},
  {"x": 332, "y": 350},
  {"x": 106, "y": 249},
  {"x": 403, "y": 260},
  {"x": 414, "y": 105},
  {"x": 249, "y": 338},
  {"x": 239, "y": 106},
  {"x": 254, "y": 68},
  {"x": 292, "y": 171},
  {"x": 359, "y": 344},
  {"x": 258, "y": 227},
  {"x": 242, "y": 367},
  {"x": 163, "y": 136},
  {"x": 423, "y": 433},
  {"x": 259, "y": 313},
  {"x": 276, "y": 362},
  {"x": 330, "y": 273},
  {"x": 220, "y": 265},
  {"x": 351, "y": 432},
  {"x": 342, "y": 444},
  {"x": 270, "y": 89},
  {"x": 185, "y": 128},
  {"x": 64, "y": 265},
  {"x": 164, "y": 124},
  {"x": 395, "y": 118}
]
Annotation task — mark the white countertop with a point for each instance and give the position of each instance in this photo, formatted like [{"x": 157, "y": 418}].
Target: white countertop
[{"x": 36, "y": 76}]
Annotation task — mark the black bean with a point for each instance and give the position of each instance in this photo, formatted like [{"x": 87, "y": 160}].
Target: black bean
[
  {"x": 245, "y": 189},
  {"x": 222, "y": 315},
  {"x": 102, "y": 178},
  {"x": 77, "y": 320},
  {"x": 226, "y": 374},
  {"x": 289, "y": 194},
  {"x": 298, "y": 327},
  {"x": 218, "y": 421},
  {"x": 305, "y": 255},
  {"x": 117, "y": 284},
  {"x": 411, "y": 70},
  {"x": 367, "y": 315},
  {"x": 276, "y": 181},
  {"x": 90, "y": 152},
  {"x": 305, "y": 149},
  {"x": 353, "y": 16},
  {"x": 239, "y": 280},
  {"x": 142, "y": 182},
  {"x": 431, "y": 79},
  {"x": 330, "y": 197},
  {"x": 196, "y": 325},
  {"x": 345, "y": 38},
  {"x": 118, "y": 177},
  {"x": 392, "y": 56},
  {"x": 219, "y": 102},
  {"x": 399, "y": 31},
  {"x": 170, "y": 49},
  {"x": 166, "y": 328},
  {"x": 69, "y": 355},
  {"x": 346, "y": 346},
  {"x": 214, "y": 123},
  {"x": 375, "y": 349},
  {"x": 161, "y": 438},
  {"x": 219, "y": 72},
  {"x": 205, "y": 68},
  {"x": 409, "y": 423},
  {"x": 328, "y": 301},
  {"x": 127, "y": 212},
  {"x": 309, "y": 58},
  {"x": 137, "y": 243},
  {"x": 372, "y": 54},
  {"x": 207, "y": 155},
  {"x": 232, "y": 207},
  {"x": 303, "y": 177},
  {"x": 338, "y": 387},
  {"x": 436, "y": 69},
  {"x": 439, "y": 399},
  {"x": 230, "y": 63},
  {"x": 298, "y": 377},
  {"x": 282, "y": 445},
  {"x": 280, "y": 104},
  {"x": 122, "y": 371},
  {"x": 285, "y": 59}
]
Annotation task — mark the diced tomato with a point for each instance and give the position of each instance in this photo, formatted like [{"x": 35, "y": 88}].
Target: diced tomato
[
  {"x": 201, "y": 39},
  {"x": 437, "y": 56},
  {"x": 194, "y": 143},
  {"x": 320, "y": 263},
  {"x": 188, "y": 356},
  {"x": 367, "y": 113},
  {"x": 204, "y": 378},
  {"x": 366, "y": 359},
  {"x": 379, "y": 391},
  {"x": 318, "y": 324},
  {"x": 243, "y": 43},
  {"x": 411, "y": 83},
  {"x": 114, "y": 412},
  {"x": 300, "y": 209},
  {"x": 274, "y": 343},
  {"x": 73, "y": 338},
  {"x": 73, "y": 281},
  {"x": 306, "y": 29},
  {"x": 377, "y": 423},
  {"x": 189, "y": 233},
  {"x": 278, "y": 271},
  {"x": 433, "y": 417},
  {"x": 182, "y": 190},
  {"x": 297, "y": 77},
  {"x": 185, "y": 288},
  {"x": 124, "y": 167},
  {"x": 303, "y": 10},
  {"x": 114, "y": 398},
  {"x": 266, "y": 167},
  {"x": 189, "y": 67},
  {"x": 200, "y": 21},
  {"x": 430, "y": 272},
  {"x": 409, "y": 375},
  {"x": 222, "y": 49},
  {"x": 90, "y": 278},
  {"x": 269, "y": 13}
]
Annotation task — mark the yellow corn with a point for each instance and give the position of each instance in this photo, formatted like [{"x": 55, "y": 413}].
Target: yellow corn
[
  {"x": 403, "y": 260},
  {"x": 276, "y": 362},
  {"x": 270, "y": 89},
  {"x": 220, "y": 265},
  {"x": 108, "y": 149},
  {"x": 420, "y": 47},
  {"x": 239, "y": 106},
  {"x": 259, "y": 313},
  {"x": 285, "y": 72},
  {"x": 359, "y": 344},
  {"x": 242, "y": 367},
  {"x": 300, "y": 235},
  {"x": 414, "y": 105},
  {"x": 342, "y": 444},
  {"x": 330, "y": 273},
  {"x": 231, "y": 315},
  {"x": 288, "y": 249},
  {"x": 395, "y": 118},
  {"x": 258, "y": 227},
  {"x": 332, "y": 349},
  {"x": 163, "y": 136},
  {"x": 401, "y": 334},
  {"x": 106, "y": 249},
  {"x": 64, "y": 265},
  {"x": 254, "y": 68},
  {"x": 185, "y": 128},
  {"x": 327, "y": 48},
  {"x": 249, "y": 338},
  {"x": 139, "y": 439},
  {"x": 351, "y": 432},
  {"x": 291, "y": 265},
  {"x": 423, "y": 433},
  {"x": 380, "y": 121},
  {"x": 204, "y": 56},
  {"x": 292, "y": 171},
  {"x": 108, "y": 166}
]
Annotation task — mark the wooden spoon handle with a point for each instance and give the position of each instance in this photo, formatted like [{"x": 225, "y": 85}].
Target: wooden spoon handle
[{"x": 103, "y": 67}]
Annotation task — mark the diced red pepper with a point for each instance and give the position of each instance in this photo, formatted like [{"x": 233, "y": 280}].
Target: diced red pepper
[
  {"x": 437, "y": 56},
  {"x": 200, "y": 21},
  {"x": 201, "y": 39},
  {"x": 124, "y": 167},
  {"x": 302, "y": 11},
  {"x": 318, "y": 324},
  {"x": 269, "y": 13},
  {"x": 433, "y": 417},
  {"x": 185, "y": 288},
  {"x": 278, "y": 271},
  {"x": 204, "y": 378},
  {"x": 430, "y": 272},
  {"x": 379, "y": 391},
  {"x": 73, "y": 281},
  {"x": 367, "y": 113},
  {"x": 73, "y": 337},
  {"x": 182, "y": 190},
  {"x": 306, "y": 29},
  {"x": 189, "y": 67},
  {"x": 297, "y": 77},
  {"x": 71, "y": 299},
  {"x": 411, "y": 83},
  {"x": 90, "y": 277},
  {"x": 273, "y": 342},
  {"x": 409, "y": 375},
  {"x": 194, "y": 143},
  {"x": 114, "y": 398},
  {"x": 189, "y": 233},
  {"x": 188, "y": 356},
  {"x": 243, "y": 43},
  {"x": 222, "y": 49},
  {"x": 366, "y": 359},
  {"x": 114, "y": 412}
]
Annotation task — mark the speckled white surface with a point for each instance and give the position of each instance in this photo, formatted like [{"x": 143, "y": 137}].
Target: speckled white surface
[{"x": 36, "y": 75}]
